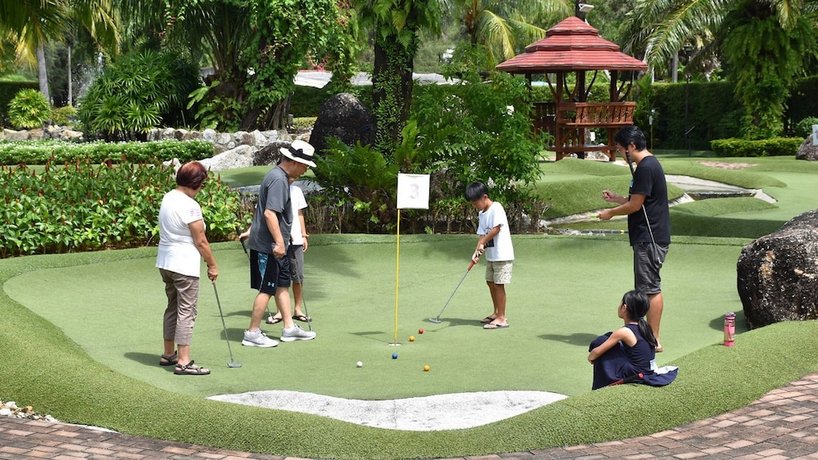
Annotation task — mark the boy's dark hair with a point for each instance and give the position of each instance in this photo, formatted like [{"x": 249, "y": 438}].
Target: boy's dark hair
[
  {"x": 631, "y": 135},
  {"x": 476, "y": 190}
]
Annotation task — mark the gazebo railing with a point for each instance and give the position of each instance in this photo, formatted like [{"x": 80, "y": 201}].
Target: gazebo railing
[{"x": 596, "y": 114}]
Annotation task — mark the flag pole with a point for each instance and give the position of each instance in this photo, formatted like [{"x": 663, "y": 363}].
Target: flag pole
[{"x": 397, "y": 279}]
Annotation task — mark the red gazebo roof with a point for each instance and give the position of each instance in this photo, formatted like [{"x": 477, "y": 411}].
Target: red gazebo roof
[{"x": 571, "y": 45}]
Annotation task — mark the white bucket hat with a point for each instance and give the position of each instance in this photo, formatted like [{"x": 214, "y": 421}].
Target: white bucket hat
[{"x": 299, "y": 151}]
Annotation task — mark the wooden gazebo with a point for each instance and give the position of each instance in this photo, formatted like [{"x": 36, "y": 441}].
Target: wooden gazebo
[{"x": 573, "y": 46}]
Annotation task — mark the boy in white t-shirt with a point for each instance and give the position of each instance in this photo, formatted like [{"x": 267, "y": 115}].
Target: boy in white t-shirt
[
  {"x": 298, "y": 246},
  {"x": 495, "y": 242}
]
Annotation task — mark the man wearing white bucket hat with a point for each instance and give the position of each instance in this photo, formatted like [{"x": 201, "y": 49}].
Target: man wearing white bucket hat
[{"x": 269, "y": 237}]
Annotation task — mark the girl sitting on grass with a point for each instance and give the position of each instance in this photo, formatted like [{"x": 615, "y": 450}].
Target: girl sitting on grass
[{"x": 626, "y": 353}]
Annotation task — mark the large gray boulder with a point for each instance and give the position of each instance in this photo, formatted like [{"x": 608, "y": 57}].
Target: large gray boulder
[
  {"x": 342, "y": 116},
  {"x": 807, "y": 151},
  {"x": 239, "y": 157},
  {"x": 12, "y": 135},
  {"x": 778, "y": 274}
]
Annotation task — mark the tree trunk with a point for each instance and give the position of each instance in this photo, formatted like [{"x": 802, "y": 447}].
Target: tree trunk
[
  {"x": 674, "y": 69},
  {"x": 70, "y": 84},
  {"x": 391, "y": 91},
  {"x": 42, "y": 73}
]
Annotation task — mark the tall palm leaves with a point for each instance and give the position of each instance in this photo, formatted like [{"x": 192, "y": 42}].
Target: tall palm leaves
[
  {"x": 764, "y": 43},
  {"x": 33, "y": 23},
  {"x": 503, "y": 25}
]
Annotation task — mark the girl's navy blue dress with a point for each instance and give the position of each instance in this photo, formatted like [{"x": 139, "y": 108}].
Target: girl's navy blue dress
[{"x": 622, "y": 362}]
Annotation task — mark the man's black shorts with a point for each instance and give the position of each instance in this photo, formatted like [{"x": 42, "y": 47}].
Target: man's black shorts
[
  {"x": 647, "y": 261},
  {"x": 268, "y": 273}
]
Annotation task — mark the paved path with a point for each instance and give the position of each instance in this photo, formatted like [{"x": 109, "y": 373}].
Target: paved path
[{"x": 781, "y": 425}]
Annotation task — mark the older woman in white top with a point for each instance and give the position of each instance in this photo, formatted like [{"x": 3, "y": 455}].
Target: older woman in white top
[{"x": 182, "y": 245}]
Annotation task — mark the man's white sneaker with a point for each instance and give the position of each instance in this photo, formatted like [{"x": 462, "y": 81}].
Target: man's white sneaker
[
  {"x": 258, "y": 339},
  {"x": 296, "y": 333}
]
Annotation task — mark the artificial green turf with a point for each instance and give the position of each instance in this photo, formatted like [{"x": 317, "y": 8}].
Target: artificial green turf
[
  {"x": 572, "y": 186},
  {"x": 746, "y": 178},
  {"x": 350, "y": 292},
  {"x": 42, "y": 366}
]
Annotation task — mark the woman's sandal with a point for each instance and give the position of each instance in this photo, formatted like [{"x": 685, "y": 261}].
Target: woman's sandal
[
  {"x": 190, "y": 369},
  {"x": 495, "y": 326},
  {"x": 487, "y": 319},
  {"x": 169, "y": 360}
]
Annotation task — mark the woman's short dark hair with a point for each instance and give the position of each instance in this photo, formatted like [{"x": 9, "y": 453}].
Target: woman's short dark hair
[
  {"x": 476, "y": 190},
  {"x": 631, "y": 135},
  {"x": 191, "y": 174}
]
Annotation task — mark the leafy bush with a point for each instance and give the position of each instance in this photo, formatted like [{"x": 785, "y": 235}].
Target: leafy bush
[
  {"x": 39, "y": 152},
  {"x": 802, "y": 100},
  {"x": 480, "y": 131},
  {"x": 777, "y": 146},
  {"x": 64, "y": 116},
  {"x": 138, "y": 92},
  {"x": 29, "y": 109},
  {"x": 804, "y": 127},
  {"x": 460, "y": 133},
  {"x": 303, "y": 123},
  {"x": 82, "y": 206},
  {"x": 9, "y": 89}
]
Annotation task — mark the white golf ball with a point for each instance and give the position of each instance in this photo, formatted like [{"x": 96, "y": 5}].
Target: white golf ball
[{"x": 360, "y": 364}]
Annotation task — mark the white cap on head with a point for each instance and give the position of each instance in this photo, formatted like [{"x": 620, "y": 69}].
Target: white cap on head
[{"x": 299, "y": 151}]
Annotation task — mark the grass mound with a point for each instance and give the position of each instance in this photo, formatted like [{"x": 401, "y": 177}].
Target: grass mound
[{"x": 44, "y": 367}]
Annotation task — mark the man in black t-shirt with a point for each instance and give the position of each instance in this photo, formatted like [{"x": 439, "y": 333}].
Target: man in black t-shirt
[{"x": 648, "y": 218}]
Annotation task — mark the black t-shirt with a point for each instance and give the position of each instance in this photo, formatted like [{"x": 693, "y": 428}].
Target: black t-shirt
[{"x": 649, "y": 180}]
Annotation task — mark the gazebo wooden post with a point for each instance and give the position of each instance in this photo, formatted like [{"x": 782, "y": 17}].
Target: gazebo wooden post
[
  {"x": 614, "y": 95},
  {"x": 559, "y": 138},
  {"x": 579, "y": 91}
]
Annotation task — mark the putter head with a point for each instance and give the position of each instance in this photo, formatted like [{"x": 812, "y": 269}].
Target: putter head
[
  {"x": 233, "y": 365},
  {"x": 435, "y": 320}
]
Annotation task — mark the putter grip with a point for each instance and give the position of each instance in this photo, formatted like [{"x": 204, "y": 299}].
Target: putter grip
[{"x": 471, "y": 264}]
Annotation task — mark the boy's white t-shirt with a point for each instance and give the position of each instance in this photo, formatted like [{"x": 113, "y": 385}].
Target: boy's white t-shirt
[
  {"x": 502, "y": 249},
  {"x": 177, "y": 251},
  {"x": 298, "y": 203}
]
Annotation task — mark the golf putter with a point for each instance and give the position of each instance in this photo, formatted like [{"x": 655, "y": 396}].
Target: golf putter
[
  {"x": 233, "y": 364},
  {"x": 304, "y": 302},
  {"x": 436, "y": 319},
  {"x": 244, "y": 246}
]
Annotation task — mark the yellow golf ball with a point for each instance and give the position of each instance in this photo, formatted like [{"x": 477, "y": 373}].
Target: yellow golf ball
[
  {"x": 427, "y": 368},
  {"x": 411, "y": 338}
]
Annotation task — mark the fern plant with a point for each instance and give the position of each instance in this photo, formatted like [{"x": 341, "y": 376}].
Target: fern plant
[{"x": 29, "y": 109}]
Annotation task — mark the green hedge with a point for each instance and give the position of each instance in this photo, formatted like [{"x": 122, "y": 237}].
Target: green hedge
[
  {"x": 712, "y": 110},
  {"x": 38, "y": 152},
  {"x": 9, "y": 89},
  {"x": 83, "y": 206},
  {"x": 777, "y": 146}
]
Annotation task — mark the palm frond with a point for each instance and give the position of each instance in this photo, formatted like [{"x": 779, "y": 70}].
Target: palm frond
[{"x": 495, "y": 32}]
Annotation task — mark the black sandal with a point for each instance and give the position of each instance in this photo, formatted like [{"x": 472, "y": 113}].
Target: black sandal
[
  {"x": 302, "y": 318},
  {"x": 169, "y": 360},
  {"x": 190, "y": 369}
]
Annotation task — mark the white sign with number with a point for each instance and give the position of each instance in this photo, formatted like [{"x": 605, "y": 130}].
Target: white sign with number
[
  {"x": 413, "y": 191},
  {"x": 814, "y": 134}
]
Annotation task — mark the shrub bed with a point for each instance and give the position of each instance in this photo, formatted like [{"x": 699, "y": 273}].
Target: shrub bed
[
  {"x": 39, "y": 152},
  {"x": 9, "y": 89},
  {"x": 777, "y": 146},
  {"x": 82, "y": 206}
]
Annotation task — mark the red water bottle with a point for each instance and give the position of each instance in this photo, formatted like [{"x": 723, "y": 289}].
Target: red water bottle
[{"x": 729, "y": 329}]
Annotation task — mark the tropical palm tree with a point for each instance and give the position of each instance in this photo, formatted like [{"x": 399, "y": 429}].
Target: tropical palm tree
[
  {"x": 395, "y": 25},
  {"x": 502, "y": 26},
  {"x": 31, "y": 24},
  {"x": 763, "y": 43}
]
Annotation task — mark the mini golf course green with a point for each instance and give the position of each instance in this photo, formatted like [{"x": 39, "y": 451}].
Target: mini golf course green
[{"x": 82, "y": 333}]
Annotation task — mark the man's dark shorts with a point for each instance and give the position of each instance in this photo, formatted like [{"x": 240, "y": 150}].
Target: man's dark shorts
[
  {"x": 647, "y": 261},
  {"x": 268, "y": 273}
]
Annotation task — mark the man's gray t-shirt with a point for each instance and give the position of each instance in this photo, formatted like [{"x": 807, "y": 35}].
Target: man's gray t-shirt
[{"x": 274, "y": 194}]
